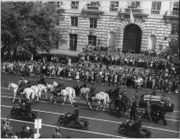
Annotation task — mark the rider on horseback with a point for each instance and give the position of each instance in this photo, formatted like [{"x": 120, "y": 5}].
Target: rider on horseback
[
  {"x": 42, "y": 81},
  {"x": 21, "y": 85},
  {"x": 123, "y": 96},
  {"x": 58, "y": 88}
]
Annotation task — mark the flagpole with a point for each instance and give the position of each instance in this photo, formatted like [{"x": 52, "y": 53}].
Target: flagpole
[{"x": 131, "y": 16}]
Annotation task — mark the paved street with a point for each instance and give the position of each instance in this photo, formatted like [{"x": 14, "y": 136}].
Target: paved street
[{"x": 102, "y": 124}]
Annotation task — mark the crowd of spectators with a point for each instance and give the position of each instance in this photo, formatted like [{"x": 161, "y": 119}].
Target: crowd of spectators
[
  {"x": 7, "y": 131},
  {"x": 146, "y": 59},
  {"x": 130, "y": 76}
]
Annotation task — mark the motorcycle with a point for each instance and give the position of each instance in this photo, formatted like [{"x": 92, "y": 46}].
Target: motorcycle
[
  {"x": 63, "y": 120},
  {"x": 134, "y": 130},
  {"x": 18, "y": 114}
]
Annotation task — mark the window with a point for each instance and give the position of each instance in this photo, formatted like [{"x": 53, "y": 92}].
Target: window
[
  {"x": 175, "y": 28},
  {"x": 135, "y": 4},
  {"x": 156, "y": 7},
  {"x": 59, "y": 3},
  {"x": 175, "y": 9},
  {"x": 93, "y": 5},
  {"x": 114, "y": 5},
  {"x": 93, "y": 22},
  {"x": 74, "y": 4},
  {"x": 92, "y": 40},
  {"x": 73, "y": 42},
  {"x": 74, "y": 21}
]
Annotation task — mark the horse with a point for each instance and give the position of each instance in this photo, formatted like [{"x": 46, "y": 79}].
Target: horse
[
  {"x": 42, "y": 89},
  {"x": 36, "y": 92},
  {"x": 102, "y": 98},
  {"x": 28, "y": 92},
  {"x": 84, "y": 93},
  {"x": 14, "y": 87},
  {"x": 69, "y": 93}
]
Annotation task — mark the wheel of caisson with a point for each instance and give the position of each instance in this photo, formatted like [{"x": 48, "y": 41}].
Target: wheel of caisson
[{"x": 117, "y": 108}]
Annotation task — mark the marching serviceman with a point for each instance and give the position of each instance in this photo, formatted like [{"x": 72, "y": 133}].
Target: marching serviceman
[{"x": 133, "y": 109}]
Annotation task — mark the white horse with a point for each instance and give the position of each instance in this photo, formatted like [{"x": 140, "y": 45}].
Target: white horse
[
  {"x": 42, "y": 90},
  {"x": 72, "y": 94},
  {"x": 102, "y": 98},
  {"x": 29, "y": 93},
  {"x": 36, "y": 92},
  {"x": 68, "y": 93},
  {"x": 84, "y": 92},
  {"x": 14, "y": 87}
]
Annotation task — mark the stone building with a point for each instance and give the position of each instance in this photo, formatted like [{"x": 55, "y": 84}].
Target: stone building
[{"x": 123, "y": 25}]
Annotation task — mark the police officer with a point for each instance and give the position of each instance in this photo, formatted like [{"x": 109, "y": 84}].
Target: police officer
[
  {"x": 73, "y": 116},
  {"x": 133, "y": 109}
]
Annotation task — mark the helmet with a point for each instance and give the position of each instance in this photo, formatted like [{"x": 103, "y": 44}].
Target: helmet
[{"x": 27, "y": 127}]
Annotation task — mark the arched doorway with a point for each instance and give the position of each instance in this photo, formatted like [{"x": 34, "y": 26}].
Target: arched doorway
[
  {"x": 152, "y": 43},
  {"x": 132, "y": 38}
]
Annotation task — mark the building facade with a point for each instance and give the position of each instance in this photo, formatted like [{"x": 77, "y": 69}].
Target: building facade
[{"x": 123, "y": 25}]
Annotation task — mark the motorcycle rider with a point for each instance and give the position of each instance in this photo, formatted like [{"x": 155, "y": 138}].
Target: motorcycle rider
[
  {"x": 73, "y": 116},
  {"x": 25, "y": 107},
  {"x": 26, "y": 132}
]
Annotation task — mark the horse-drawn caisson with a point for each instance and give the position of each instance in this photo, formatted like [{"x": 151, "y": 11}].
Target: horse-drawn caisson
[
  {"x": 120, "y": 104},
  {"x": 158, "y": 104}
]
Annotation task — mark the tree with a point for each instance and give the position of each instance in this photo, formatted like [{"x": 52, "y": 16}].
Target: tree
[{"x": 29, "y": 27}]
